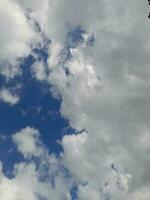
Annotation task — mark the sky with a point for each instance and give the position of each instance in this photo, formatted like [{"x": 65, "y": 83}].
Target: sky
[{"x": 74, "y": 100}]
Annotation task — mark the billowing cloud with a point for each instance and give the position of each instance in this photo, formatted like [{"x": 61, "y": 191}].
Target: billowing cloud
[
  {"x": 104, "y": 89},
  {"x": 106, "y": 93}
]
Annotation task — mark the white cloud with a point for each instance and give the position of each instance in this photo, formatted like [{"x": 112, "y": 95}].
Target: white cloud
[
  {"x": 39, "y": 71},
  {"x": 8, "y": 97},
  {"x": 114, "y": 109},
  {"x": 55, "y": 50},
  {"x": 39, "y": 10},
  {"x": 16, "y": 36},
  {"x": 26, "y": 184},
  {"x": 144, "y": 194},
  {"x": 16, "y": 33},
  {"x": 9, "y": 71},
  {"x": 27, "y": 141}
]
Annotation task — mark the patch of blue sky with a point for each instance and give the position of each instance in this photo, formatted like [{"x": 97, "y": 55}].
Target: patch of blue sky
[
  {"x": 37, "y": 107},
  {"x": 74, "y": 192}
]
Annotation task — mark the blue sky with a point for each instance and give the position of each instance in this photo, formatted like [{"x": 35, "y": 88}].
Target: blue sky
[
  {"x": 37, "y": 108},
  {"x": 74, "y": 100}
]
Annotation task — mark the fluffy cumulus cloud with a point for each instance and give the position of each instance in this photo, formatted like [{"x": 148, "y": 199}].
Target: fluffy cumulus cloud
[
  {"x": 27, "y": 142},
  {"x": 7, "y": 97},
  {"x": 99, "y": 64}
]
